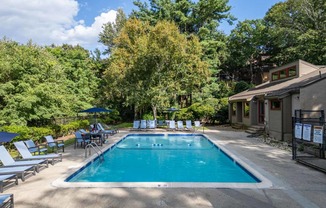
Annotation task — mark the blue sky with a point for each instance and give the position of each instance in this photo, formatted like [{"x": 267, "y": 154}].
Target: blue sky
[{"x": 80, "y": 21}]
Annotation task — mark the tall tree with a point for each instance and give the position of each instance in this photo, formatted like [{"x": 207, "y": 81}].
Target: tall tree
[
  {"x": 151, "y": 65},
  {"x": 246, "y": 44},
  {"x": 200, "y": 18},
  {"x": 112, "y": 30},
  {"x": 297, "y": 30},
  {"x": 32, "y": 85}
]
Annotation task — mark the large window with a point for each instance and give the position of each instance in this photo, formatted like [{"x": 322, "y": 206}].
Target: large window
[
  {"x": 284, "y": 73},
  {"x": 275, "y": 105},
  {"x": 246, "y": 109}
]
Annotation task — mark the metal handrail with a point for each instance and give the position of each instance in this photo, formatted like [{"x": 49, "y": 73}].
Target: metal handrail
[{"x": 96, "y": 150}]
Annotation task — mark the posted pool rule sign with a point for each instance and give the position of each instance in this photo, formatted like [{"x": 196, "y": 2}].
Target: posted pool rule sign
[{"x": 318, "y": 134}]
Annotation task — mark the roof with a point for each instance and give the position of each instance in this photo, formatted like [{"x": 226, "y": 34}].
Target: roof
[{"x": 280, "y": 88}]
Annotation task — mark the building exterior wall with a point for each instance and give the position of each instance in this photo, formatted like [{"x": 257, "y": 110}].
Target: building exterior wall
[
  {"x": 253, "y": 112},
  {"x": 295, "y": 103},
  {"x": 305, "y": 68},
  {"x": 267, "y": 110},
  {"x": 287, "y": 118},
  {"x": 275, "y": 123},
  {"x": 313, "y": 97}
]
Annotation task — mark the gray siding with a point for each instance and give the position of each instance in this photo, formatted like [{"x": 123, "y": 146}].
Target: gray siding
[
  {"x": 287, "y": 118},
  {"x": 313, "y": 97},
  {"x": 275, "y": 123}
]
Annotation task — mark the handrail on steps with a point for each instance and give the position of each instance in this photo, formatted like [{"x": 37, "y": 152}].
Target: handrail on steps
[{"x": 98, "y": 151}]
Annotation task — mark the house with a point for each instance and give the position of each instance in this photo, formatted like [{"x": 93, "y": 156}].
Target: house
[{"x": 294, "y": 86}]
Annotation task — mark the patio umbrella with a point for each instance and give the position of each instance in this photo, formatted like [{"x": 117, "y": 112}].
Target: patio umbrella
[
  {"x": 95, "y": 110},
  {"x": 7, "y": 136},
  {"x": 170, "y": 110}
]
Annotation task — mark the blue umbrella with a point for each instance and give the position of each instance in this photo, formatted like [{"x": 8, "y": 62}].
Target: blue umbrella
[
  {"x": 7, "y": 136},
  {"x": 95, "y": 110}
]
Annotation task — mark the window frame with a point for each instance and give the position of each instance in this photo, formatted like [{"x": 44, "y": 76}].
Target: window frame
[
  {"x": 287, "y": 74},
  {"x": 275, "y": 108}
]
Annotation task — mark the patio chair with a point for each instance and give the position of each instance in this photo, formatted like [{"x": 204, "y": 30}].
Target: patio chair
[
  {"x": 106, "y": 127},
  {"x": 55, "y": 143},
  {"x": 143, "y": 124},
  {"x": 21, "y": 171},
  {"x": 198, "y": 125},
  {"x": 189, "y": 125},
  {"x": 26, "y": 155},
  {"x": 172, "y": 125},
  {"x": 80, "y": 139},
  {"x": 180, "y": 125},
  {"x": 136, "y": 125},
  {"x": 151, "y": 124},
  {"x": 160, "y": 123},
  {"x": 33, "y": 148},
  {"x": 6, "y": 200},
  {"x": 105, "y": 132},
  {"x": 8, "y": 180},
  {"x": 8, "y": 161}
]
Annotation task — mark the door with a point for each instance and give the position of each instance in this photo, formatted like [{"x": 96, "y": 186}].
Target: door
[{"x": 261, "y": 111}]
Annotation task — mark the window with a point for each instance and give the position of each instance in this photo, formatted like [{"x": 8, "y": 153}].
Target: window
[
  {"x": 275, "y": 105},
  {"x": 246, "y": 109},
  {"x": 284, "y": 73}
]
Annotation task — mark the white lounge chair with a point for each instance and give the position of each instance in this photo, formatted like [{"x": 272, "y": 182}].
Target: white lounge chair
[
  {"x": 8, "y": 161},
  {"x": 8, "y": 180},
  {"x": 180, "y": 125},
  {"x": 189, "y": 125},
  {"x": 20, "y": 171},
  {"x": 23, "y": 151},
  {"x": 198, "y": 125},
  {"x": 151, "y": 124},
  {"x": 136, "y": 125},
  {"x": 172, "y": 125},
  {"x": 143, "y": 124}
]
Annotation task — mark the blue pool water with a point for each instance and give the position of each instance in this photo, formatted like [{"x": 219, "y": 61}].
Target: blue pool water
[{"x": 164, "y": 158}]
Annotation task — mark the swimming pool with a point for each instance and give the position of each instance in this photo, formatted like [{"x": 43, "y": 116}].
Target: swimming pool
[{"x": 164, "y": 160}]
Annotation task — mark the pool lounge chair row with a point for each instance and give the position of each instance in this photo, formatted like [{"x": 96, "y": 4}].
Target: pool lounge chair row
[
  {"x": 12, "y": 169},
  {"x": 180, "y": 125},
  {"x": 171, "y": 124},
  {"x": 144, "y": 125}
]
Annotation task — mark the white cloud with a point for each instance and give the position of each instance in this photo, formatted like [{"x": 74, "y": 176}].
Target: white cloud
[{"x": 49, "y": 21}]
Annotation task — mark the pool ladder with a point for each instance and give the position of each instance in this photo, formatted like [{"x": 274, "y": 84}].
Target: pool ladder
[{"x": 96, "y": 148}]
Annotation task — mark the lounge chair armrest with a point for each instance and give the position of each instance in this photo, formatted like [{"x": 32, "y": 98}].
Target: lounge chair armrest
[{"x": 59, "y": 141}]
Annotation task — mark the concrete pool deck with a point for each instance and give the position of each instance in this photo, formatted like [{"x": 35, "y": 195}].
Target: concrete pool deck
[{"x": 293, "y": 185}]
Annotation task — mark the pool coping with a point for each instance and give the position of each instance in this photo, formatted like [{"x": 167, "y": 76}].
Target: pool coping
[{"x": 264, "y": 182}]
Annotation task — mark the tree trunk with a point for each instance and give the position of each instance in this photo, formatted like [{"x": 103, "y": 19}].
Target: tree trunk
[
  {"x": 251, "y": 73},
  {"x": 154, "y": 112}
]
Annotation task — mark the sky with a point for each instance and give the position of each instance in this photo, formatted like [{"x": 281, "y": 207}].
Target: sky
[{"x": 75, "y": 22}]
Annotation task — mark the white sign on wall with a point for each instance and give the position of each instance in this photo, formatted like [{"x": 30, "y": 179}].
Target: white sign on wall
[
  {"x": 298, "y": 131},
  {"x": 318, "y": 134},
  {"x": 306, "y": 132}
]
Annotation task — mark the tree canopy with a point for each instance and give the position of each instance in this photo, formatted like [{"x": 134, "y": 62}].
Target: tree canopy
[{"x": 151, "y": 65}]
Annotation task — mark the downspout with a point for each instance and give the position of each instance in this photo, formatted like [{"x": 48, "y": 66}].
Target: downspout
[{"x": 282, "y": 119}]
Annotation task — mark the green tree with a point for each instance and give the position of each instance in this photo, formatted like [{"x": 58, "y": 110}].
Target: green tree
[
  {"x": 151, "y": 65},
  {"x": 32, "y": 85},
  {"x": 246, "y": 44},
  {"x": 81, "y": 73},
  {"x": 200, "y": 18},
  {"x": 297, "y": 30},
  {"x": 112, "y": 30}
]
